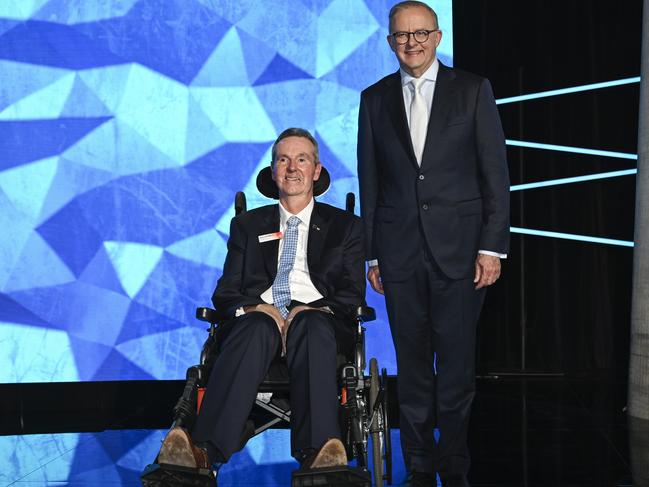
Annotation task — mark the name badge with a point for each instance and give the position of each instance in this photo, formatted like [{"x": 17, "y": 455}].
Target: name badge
[{"x": 270, "y": 236}]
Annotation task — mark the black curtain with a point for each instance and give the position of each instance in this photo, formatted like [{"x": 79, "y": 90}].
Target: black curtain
[{"x": 572, "y": 298}]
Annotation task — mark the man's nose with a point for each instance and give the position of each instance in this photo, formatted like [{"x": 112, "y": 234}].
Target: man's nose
[{"x": 411, "y": 40}]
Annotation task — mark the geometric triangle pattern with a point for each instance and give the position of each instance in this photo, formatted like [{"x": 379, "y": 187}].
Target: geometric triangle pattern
[
  {"x": 126, "y": 128},
  {"x": 133, "y": 263},
  {"x": 22, "y": 455},
  {"x": 117, "y": 457}
]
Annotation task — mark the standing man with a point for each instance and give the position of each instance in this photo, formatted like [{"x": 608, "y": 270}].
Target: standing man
[{"x": 435, "y": 200}]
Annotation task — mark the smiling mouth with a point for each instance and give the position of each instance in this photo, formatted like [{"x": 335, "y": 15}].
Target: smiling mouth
[{"x": 293, "y": 179}]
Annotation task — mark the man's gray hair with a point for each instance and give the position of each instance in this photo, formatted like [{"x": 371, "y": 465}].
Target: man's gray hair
[
  {"x": 411, "y": 3},
  {"x": 297, "y": 132}
]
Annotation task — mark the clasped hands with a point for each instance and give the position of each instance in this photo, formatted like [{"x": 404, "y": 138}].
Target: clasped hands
[{"x": 282, "y": 323}]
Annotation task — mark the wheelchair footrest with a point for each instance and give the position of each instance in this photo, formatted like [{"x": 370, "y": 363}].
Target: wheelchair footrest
[
  {"x": 338, "y": 476},
  {"x": 163, "y": 475}
]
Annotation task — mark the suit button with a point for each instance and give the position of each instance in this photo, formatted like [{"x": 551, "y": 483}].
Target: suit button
[
  {"x": 421, "y": 177},
  {"x": 424, "y": 206}
]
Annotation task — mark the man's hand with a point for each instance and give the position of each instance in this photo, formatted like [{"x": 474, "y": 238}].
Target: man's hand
[
  {"x": 487, "y": 270},
  {"x": 374, "y": 276},
  {"x": 294, "y": 311},
  {"x": 268, "y": 309}
]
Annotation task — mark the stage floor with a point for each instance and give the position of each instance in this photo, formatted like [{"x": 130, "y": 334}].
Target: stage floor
[{"x": 540, "y": 433}]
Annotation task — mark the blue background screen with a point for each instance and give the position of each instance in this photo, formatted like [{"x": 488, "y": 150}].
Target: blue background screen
[{"x": 126, "y": 128}]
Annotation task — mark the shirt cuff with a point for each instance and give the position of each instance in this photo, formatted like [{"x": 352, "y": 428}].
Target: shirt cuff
[
  {"x": 375, "y": 262},
  {"x": 239, "y": 312},
  {"x": 495, "y": 254}
]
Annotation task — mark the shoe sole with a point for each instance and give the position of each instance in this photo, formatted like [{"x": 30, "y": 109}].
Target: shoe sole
[
  {"x": 332, "y": 454},
  {"x": 176, "y": 450}
]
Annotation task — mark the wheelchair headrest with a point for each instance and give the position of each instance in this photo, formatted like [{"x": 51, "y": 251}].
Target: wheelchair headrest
[{"x": 268, "y": 188}]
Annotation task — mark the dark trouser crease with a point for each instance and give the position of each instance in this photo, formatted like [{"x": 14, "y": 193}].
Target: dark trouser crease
[
  {"x": 311, "y": 360},
  {"x": 432, "y": 314},
  {"x": 251, "y": 343}
]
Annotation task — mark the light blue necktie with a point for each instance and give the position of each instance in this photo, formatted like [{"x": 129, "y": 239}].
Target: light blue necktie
[{"x": 281, "y": 288}]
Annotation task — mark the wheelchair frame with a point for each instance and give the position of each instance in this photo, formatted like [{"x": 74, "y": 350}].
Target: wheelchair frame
[{"x": 363, "y": 399}]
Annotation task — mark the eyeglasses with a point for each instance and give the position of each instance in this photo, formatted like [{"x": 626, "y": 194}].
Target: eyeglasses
[{"x": 419, "y": 35}]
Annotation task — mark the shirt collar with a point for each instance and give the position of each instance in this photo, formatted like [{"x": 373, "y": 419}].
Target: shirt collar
[
  {"x": 304, "y": 215},
  {"x": 430, "y": 74}
]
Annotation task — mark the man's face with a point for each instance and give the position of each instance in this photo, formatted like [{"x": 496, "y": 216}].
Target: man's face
[
  {"x": 294, "y": 168},
  {"x": 414, "y": 57}
]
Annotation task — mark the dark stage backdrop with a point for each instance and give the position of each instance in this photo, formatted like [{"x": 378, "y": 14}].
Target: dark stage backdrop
[{"x": 563, "y": 303}]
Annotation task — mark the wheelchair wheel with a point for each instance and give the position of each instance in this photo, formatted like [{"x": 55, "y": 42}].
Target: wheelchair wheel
[
  {"x": 377, "y": 428},
  {"x": 387, "y": 439}
]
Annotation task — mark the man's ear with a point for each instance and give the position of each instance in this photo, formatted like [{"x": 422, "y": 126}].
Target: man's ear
[
  {"x": 390, "y": 40},
  {"x": 316, "y": 174},
  {"x": 272, "y": 171},
  {"x": 438, "y": 36}
]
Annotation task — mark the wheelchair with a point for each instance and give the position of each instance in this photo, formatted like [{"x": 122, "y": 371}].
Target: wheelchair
[{"x": 362, "y": 413}]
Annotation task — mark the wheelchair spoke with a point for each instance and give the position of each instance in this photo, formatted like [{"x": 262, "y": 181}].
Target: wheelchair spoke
[{"x": 376, "y": 422}]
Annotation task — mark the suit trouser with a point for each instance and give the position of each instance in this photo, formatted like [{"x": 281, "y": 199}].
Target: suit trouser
[
  {"x": 429, "y": 315},
  {"x": 248, "y": 345}
]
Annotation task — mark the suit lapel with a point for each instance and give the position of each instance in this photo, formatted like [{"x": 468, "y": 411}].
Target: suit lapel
[
  {"x": 444, "y": 92},
  {"x": 269, "y": 250},
  {"x": 317, "y": 234},
  {"x": 397, "y": 114}
]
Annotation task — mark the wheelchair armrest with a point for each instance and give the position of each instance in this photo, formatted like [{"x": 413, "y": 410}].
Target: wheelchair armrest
[
  {"x": 365, "y": 314},
  {"x": 206, "y": 314}
]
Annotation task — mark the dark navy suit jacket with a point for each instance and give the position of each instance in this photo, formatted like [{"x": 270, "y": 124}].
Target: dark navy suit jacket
[
  {"x": 458, "y": 199},
  {"x": 335, "y": 256}
]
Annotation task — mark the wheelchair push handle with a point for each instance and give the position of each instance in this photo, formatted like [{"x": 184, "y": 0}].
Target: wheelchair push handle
[
  {"x": 364, "y": 314},
  {"x": 240, "y": 205},
  {"x": 206, "y": 314}
]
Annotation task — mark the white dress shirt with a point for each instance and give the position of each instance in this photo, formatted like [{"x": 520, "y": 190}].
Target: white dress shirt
[
  {"x": 302, "y": 289},
  {"x": 427, "y": 89}
]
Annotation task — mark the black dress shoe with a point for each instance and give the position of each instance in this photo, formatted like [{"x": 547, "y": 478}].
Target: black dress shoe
[
  {"x": 420, "y": 479},
  {"x": 178, "y": 449}
]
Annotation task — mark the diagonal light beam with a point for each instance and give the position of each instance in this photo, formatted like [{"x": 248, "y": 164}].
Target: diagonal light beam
[
  {"x": 571, "y": 236},
  {"x": 574, "y": 179},
  {"x": 574, "y": 150},
  {"x": 563, "y": 91}
]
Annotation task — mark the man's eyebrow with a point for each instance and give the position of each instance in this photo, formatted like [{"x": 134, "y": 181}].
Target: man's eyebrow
[{"x": 301, "y": 154}]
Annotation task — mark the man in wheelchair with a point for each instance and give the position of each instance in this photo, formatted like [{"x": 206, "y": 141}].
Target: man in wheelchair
[{"x": 293, "y": 274}]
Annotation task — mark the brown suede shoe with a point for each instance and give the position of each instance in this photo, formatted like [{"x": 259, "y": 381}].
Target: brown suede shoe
[
  {"x": 178, "y": 449},
  {"x": 331, "y": 454}
]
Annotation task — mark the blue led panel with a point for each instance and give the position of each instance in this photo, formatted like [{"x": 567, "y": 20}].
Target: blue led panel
[{"x": 125, "y": 130}]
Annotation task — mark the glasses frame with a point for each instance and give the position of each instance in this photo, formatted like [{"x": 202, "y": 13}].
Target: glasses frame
[{"x": 413, "y": 34}]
